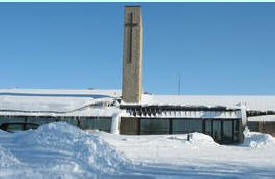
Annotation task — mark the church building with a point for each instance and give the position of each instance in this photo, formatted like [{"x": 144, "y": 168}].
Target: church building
[{"x": 131, "y": 112}]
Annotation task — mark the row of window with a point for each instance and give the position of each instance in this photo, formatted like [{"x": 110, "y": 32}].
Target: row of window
[
  {"x": 222, "y": 130},
  {"x": 91, "y": 123}
]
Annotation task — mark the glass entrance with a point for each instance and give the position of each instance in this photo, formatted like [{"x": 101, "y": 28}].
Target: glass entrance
[{"x": 224, "y": 131}]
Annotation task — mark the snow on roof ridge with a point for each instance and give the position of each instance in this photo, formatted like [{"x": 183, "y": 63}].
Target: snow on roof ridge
[{"x": 57, "y": 90}]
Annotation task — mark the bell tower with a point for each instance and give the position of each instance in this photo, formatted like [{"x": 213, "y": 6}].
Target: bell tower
[{"x": 132, "y": 55}]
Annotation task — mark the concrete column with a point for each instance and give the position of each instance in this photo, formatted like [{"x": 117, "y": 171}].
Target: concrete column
[{"x": 132, "y": 55}]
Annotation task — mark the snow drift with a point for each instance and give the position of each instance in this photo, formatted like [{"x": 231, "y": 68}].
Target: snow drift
[
  {"x": 257, "y": 140},
  {"x": 196, "y": 139},
  {"x": 202, "y": 139},
  {"x": 58, "y": 148}
]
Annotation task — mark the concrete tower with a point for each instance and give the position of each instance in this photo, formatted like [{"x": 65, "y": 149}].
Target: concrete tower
[{"x": 132, "y": 55}]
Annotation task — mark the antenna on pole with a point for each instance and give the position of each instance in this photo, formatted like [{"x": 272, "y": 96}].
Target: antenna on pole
[{"x": 179, "y": 84}]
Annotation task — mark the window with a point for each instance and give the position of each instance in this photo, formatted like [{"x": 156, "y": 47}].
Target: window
[
  {"x": 183, "y": 126},
  {"x": 71, "y": 120},
  {"x": 154, "y": 126},
  {"x": 9, "y": 119},
  {"x": 227, "y": 131},
  {"x": 236, "y": 130},
  {"x": 217, "y": 130},
  {"x": 253, "y": 126},
  {"x": 15, "y": 127},
  {"x": 103, "y": 124},
  {"x": 208, "y": 127},
  {"x": 30, "y": 126},
  {"x": 40, "y": 119}
]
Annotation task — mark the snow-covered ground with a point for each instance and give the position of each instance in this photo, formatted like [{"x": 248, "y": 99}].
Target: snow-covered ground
[{"x": 59, "y": 150}]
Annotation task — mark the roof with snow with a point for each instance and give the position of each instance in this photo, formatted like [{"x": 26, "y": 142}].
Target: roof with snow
[
  {"x": 61, "y": 102},
  {"x": 57, "y": 102},
  {"x": 260, "y": 103}
]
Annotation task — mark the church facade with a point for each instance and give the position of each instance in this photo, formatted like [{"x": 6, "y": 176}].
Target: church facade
[{"x": 129, "y": 111}]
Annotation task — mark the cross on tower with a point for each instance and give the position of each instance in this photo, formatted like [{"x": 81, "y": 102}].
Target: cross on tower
[{"x": 131, "y": 24}]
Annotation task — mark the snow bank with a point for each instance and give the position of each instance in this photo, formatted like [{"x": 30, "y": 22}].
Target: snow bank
[
  {"x": 6, "y": 158},
  {"x": 202, "y": 139},
  {"x": 257, "y": 140},
  {"x": 59, "y": 150},
  {"x": 58, "y": 147},
  {"x": 196, "y": 139}
]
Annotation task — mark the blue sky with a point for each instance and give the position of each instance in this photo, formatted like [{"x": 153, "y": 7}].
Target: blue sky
[{"x": 217, "y": 48}]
